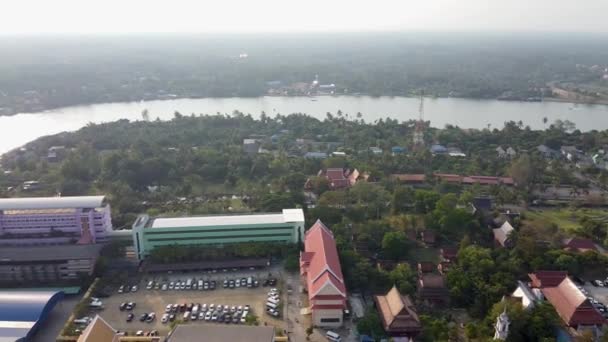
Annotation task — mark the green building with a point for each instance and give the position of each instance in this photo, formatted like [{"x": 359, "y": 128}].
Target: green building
[{"x": 148, "y": 232}]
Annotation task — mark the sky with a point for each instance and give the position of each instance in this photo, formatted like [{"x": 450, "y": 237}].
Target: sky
[{"x": 255, "y": 16}]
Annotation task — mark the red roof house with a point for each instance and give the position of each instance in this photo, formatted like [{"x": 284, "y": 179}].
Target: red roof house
[
  {"x": 542, "y": 279},
  {"x": 579, "y": 245},
  {"x": 322, "y": 276},
  {"x": 449, "y": 178},
  {"x": 569, "y": 302}
]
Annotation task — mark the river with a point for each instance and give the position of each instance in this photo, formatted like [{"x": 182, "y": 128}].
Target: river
[{"x": 19, "y": 129}]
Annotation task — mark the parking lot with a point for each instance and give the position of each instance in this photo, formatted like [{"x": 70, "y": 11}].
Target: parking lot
[
  {"x": 598, "y": 296},
  {"x": 156, "y": 299}
]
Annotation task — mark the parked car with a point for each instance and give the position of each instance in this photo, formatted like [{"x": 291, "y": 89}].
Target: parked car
[
  {"x": 123, "y": 306},
  {"x": 130, "y": 306},
  {"x": 151, "y": 317},
  {"x": 165, "y": 318},
  {"x": 171, "y": 317},
  {"x": 168, "y": 308},
  {"x": 134, "y": 288},
  {"x": 139, "y": 333},
  {"x": 143, "y": 317},
  {"x": 83, "y": 320},
  {"x": 121, "y": 289},
  {"x": 130, "y": 317}
]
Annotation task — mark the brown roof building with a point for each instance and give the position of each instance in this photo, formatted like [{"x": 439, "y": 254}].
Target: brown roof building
[
  {"x": 579, "y": 245},
  {"x": 399, "y": 317},
  {"x": 409, "y": 178},
  {"x": 429, "y": 237},
  {"x": 569, "y": 302},
  {"x": 426, "y": 267},
  {"x": 449, "y": 254},
  {"x": 432, "y": 289},
  {"x": 101, "y": 331},
  {"x": 219, "y": 333}
]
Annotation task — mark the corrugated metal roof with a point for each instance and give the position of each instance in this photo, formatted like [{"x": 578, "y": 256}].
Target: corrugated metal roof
[
  {"x": 288, "y": 215},
  {"x": 51, "y": 202},
  {"x": 53, "y": 252},
  {"x": 21, "y": 312}
]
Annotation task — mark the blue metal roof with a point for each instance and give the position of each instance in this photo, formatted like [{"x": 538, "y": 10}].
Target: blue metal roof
[{"x": 22, "y": 312}]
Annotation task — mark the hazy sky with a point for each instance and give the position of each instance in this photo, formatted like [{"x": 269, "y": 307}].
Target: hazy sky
[{"x": 115, "y": 16}]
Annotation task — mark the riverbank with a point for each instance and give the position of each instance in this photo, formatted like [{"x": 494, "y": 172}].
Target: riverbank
[
  {"x": 19, "y": 129},
  {"x": 311, "y": 97}
]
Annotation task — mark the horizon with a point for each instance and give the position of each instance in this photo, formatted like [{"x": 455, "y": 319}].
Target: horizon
[{"x": 238, "y": 16}]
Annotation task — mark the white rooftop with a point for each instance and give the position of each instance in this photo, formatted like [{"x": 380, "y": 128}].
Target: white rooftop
[
  {"x": 27, "y": 203},
  {"x": 288, "y": 215}
]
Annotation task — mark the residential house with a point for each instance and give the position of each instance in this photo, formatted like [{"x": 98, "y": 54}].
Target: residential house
[
  {"x": 547, "y": 152},
  {"x": 315, "y": 155},
  {"x": 432, "y": 289},
  {"x": 570, "y": 303},
  {"x": 501, "y": 152},
  {"x": 398, "y": 314},
  {"x": 571, "y": 153},
  {"x": 56, "y": 153},
  {"x": 438, "y": 149},
  {"x": 502, "y": 235},
  {"x": 322, "y": 277},
  {"x": 511, "y": 153},
  {"x": 579, "y": 245},
  {"x": 251, "y": 146},
  {"x": 375, "y": 150},
  {"x": 395, "y": 150}
]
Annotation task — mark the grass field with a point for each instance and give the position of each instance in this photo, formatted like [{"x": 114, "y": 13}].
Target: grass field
[{"x": 566, "y": 219}]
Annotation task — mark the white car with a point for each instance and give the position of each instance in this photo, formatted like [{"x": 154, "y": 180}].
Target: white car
[
  {"x": 134, "y": 288},
  {"x": 164, "y": 287},
  {"x": 204, "y": 307},
  {"x": 139, "y": 333},
  {"x": 208, "y": 316},
  {"x": 214, "y": 316},
  {"x": 168, "y": 308},
  {"x": 165, "y": 318},
  {"x": 151, "y": 317},
  {"x": 83, "y": 320}
]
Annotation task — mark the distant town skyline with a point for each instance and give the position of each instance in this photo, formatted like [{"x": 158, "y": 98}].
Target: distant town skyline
[{"x": 231, "y": 16}]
